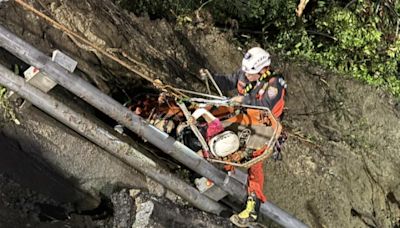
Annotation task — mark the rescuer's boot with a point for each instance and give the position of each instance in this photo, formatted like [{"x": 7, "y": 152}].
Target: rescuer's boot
[{"x": 249, "y": 215}]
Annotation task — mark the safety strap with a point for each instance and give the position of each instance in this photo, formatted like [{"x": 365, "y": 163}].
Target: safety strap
[
  {"x": 249, "y": 86},
  {"x": 195, "y": 129}
]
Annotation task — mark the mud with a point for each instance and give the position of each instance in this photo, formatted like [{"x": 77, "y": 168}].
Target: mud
[{"x": 340, "y": 165}]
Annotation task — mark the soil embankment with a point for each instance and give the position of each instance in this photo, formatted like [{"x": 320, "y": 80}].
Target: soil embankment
[{"x": 340, "y": 165}]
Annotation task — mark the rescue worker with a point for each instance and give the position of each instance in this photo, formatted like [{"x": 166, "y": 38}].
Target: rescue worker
[{"x": 256, "y": 84}]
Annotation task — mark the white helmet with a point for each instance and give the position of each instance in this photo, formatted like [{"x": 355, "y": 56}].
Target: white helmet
[
  {"x": 255, "y": 60},
  {"x": 224, "y": 144}
]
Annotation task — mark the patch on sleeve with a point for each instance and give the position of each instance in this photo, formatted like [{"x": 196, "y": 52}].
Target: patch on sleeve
[{"x": 272, "y": 92}]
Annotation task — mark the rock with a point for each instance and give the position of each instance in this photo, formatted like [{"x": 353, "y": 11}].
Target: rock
[
  {"x": 124, "y": 209},
  {"x": 143, "y": 213},
  {"x": 154, "y": 211},
  {"x": 134, "y": 192}
]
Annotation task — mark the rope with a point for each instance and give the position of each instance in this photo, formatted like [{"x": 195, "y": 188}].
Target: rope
[
  {"x": 157, "y": 83},
  {"x": 213, "y": 81}
]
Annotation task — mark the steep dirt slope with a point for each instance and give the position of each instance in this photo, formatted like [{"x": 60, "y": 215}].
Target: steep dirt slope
[
  {"x": 154, "y": 44},
  {"x": 349, "y": 175},
  {"x": 340, "y": 166}
]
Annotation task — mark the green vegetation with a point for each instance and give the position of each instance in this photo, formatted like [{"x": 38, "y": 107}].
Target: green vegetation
[{"x": 356, "y": 37}]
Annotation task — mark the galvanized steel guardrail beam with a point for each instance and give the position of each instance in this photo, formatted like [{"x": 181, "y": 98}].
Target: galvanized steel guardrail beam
[
  {"x": 103, "y": 138},
  {"x": 121, "y": 114}
]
